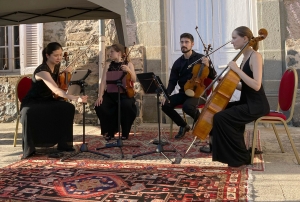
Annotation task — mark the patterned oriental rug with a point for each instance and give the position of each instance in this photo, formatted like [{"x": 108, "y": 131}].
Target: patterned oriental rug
[
  {"x": 144, "y": 138},
  {"x": 108, "y": 181}
]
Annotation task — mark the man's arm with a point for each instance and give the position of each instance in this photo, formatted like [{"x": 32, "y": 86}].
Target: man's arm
[{"x": 174, "y": 76}]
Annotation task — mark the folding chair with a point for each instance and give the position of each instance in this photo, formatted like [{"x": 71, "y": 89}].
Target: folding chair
[
  {"x": 286, "y": 102},
  {"x": 22, "y": 87}
]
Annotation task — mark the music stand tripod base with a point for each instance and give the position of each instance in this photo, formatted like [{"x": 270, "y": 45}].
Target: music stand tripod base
[
  {"x": 76, "y": 86},
  {"x": 152, "y": 84},
  {"x": 119, "y": 85}
]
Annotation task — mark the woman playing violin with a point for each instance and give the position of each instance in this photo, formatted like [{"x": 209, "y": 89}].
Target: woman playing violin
[
  {"x": 106, "y": 106},
  {"x": 47, "y": 121},
  {"x": 228, "y": 144}
]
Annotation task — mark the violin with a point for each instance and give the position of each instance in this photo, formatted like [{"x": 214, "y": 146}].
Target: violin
[
  {"x": 195, "y": 86},
  {"x": 64, "y": 77},
  {"x": 129, "y": 83},
  {"x": 221, "y": 94}
]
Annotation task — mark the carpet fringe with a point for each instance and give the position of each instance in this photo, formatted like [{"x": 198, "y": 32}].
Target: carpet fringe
[{"x": 250, "y": 187}]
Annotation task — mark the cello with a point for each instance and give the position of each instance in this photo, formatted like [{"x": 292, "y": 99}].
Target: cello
[{"x": 221, "y": 94}]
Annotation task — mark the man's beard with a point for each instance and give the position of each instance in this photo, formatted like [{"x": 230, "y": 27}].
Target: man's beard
[{"x": 185, "y": 51}]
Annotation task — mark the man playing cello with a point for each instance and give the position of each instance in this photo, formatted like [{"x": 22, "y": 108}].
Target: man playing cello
[{"x": 180, "y": 74}]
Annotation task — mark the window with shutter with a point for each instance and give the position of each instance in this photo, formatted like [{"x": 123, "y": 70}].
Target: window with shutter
[{"x": 31, "y": 47}]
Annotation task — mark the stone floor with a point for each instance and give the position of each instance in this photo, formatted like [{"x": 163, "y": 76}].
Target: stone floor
[{"x": 279, "y": 182}]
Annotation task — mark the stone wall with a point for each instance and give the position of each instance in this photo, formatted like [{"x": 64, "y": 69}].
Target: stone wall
[
  {"x": 80, "y": 39},
  {"x": 292, "y": 46},
  {"x": 8, "y": 110}
]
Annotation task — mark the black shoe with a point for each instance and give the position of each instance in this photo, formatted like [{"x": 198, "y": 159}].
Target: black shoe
[
  {"x": 109, "y": 137},
  {"x": 124, "y": 138},
  {"x": 206, "y": 149},
  {"x": 182, "y": 131}
]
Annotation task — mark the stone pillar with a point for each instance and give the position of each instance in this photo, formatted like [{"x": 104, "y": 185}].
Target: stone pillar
[
  {"x": 150, "y": 21},
  {"x": 271, "y": 48},
  {"x": 292, "y": 10}
]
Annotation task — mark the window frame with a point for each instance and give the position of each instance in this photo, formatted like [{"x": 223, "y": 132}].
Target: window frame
[{"x": 10, "y": 51}]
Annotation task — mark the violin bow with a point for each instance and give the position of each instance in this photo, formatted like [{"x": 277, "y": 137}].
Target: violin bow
[
  {"x": 81, "y": 53},
  {"x": 209, "y": 54}
]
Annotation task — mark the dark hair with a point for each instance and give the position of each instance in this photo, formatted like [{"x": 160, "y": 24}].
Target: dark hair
[
  {"x": 245, "y": 31},
  {"x": 187, "y": 35},
  {"x": 53, "y": 46},
  {"x": 120, "y": 48}
]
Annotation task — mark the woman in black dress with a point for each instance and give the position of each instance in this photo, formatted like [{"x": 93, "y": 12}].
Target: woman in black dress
[
  {"x": 45, "y": 120},
  {"x": 106, "y": 106},
  {"x": 228, "y": 144}
]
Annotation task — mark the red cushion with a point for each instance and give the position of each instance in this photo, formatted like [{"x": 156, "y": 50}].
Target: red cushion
[
  {"x": 286, "y": 90},
  {"x": 275, "y": 114},
  {"x": 23, "y": 87}
]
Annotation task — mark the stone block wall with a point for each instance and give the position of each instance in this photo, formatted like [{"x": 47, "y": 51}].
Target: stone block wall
[
  {"x": 80, "y": 39},
  {"x": 8, "y": 109},
  {"x": 292, "y": 47}
]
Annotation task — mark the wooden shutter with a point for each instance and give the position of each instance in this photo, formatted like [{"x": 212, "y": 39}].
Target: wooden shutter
[{"x": 31, "y": 46}]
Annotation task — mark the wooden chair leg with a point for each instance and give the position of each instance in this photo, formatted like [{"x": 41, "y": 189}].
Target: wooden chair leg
[
  {"x": 184, "y": 117},
  {"x": 16, "y": 131},
  {"x": 292, "y": 142},
  {"x": 278, "y": 138},
  {"x": 254, "y": 141}
]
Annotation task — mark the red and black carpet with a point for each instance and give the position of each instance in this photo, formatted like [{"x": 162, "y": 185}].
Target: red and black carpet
[
  {"x": 91, "y": 177},
  {"x": 144, "y": 137},
  {"x": 92, "y": 180}
]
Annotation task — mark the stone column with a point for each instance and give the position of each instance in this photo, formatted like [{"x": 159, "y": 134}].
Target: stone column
[
  {"x": 149, "y": 18},
  {"x": 292, "y": 10}
]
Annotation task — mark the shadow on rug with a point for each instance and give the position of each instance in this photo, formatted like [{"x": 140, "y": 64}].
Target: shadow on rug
[
  {"x": 144, "y": 138},
  {"x": 92, "y": 180}
]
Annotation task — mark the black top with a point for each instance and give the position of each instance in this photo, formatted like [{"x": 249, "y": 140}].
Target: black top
[
  {"x": 39, "y": 91},
  {"x": 181, "y": 74},
  {"x": 256, "y": 100},
  {"x": 115, "y": 66}
]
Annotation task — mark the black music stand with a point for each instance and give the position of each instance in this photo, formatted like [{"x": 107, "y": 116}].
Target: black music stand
[
  {"x": 119, "y": 142},
  {"x": 76, "y": 86},
  {"x": 152, "y": 84}
]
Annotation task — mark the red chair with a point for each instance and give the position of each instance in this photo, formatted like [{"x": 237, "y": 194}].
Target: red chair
[
  {"x": 207, "y": 82},
  {"x": 286, "y": 102},
  {"x": 22, "y": 87}
]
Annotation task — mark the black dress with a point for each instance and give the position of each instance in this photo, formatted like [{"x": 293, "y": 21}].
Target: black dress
[
  {"x": 229, "y": 125},
  {"x": 45, "y": 120},
  {"x": 107, "y": 112}
]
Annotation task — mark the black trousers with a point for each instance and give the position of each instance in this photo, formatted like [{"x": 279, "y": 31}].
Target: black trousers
[
  {"x": 45, "y": 124},
  {"x": 107, "y": 113},
  {"x": 189, "y": 106}
]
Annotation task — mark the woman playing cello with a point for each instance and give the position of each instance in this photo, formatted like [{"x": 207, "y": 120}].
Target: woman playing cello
[{"x": 228, "y": 145}]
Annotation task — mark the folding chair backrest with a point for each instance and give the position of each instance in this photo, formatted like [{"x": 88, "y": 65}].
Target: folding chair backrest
[
  {"x": 287, "y": 89},
  {"x": 23, "y": 87}
]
